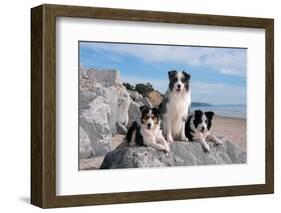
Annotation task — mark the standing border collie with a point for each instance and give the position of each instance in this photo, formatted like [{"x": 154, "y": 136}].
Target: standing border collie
[
  {"x": 149, "y": 132},
  {"x": 197, "y": 128},
  {"x": 175, "y": 106}
]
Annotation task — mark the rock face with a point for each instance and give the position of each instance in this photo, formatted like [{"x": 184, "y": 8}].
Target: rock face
[
  {"x": 85, "y": 145},
  {"x": 155, "y": 98},
  {"x": 106, "y": 77},
  {"x": 181, "y": 154},
  {"x": 134, "y": 95},
  {"x": 119, "y": 103},
  {"x": 121, "y": 129},
  {"x": 103, "y": 110},
  {"x": 134, "y": 113},
  {"x": 95, "y": 124},
  {"x": 144, "y": 101}
]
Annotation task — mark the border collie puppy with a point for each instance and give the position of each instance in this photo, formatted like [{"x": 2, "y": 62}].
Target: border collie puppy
[
  {"x": 148, "y": 133},
  {"x": 197, "y": 128},
  {"x": 175, "y": 106}
]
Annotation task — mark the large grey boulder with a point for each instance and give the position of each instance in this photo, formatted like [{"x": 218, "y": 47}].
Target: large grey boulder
[
  {"x": 181, "y": 154},
  {"x": 85, "y": 149},
  {"x": 119, "y": 103},
  {"x": 94, "y": 120},
  {"x": 106, "y": 77},
  {"x": 121, "y": 129},
  {"x": 87, "y": 95},
  {"x": 134, "y": 113},
  {"x": 155, "y": 97},
  {"x": 134, "y": 95},
  {"x": 144, "y": 101},
  {"x": 107, "y": 84}
]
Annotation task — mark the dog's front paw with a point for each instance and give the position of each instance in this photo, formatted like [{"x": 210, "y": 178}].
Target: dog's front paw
[
  {"x": 170, "y": 139},
  {"x": 167, "y": 149},
  {"x": 218, "y": 142},
  {"x": 207, "y": 149},
  {"x": 185, "y": 139}
]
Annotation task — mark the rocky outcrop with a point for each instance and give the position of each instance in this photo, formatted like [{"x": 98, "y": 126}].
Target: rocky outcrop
[
  {"x": 106, "y": 83},
  {"x": 155, "y": 98},
  {"x": 85, "y": 149},
  {"x": 106, "y": 77},
  {"x": 181, "y": 154},
  {"x": 144, "y": 101},
  {"x": 94, "y": 127},
  {"x": 103, "y": 104},
  {"x": 134, "y": 95},
  {"x": 134, "y": 108},
  {"x": 134, "y": 113},
  {"x": 119, "y": 103},
  {"x": 121, "y": 129}
]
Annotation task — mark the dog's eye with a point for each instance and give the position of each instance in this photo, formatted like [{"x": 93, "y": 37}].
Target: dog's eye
[
  {"x": 182, "y": 80},
  {"x": 146, "y": 117},
  {"x": 154, "y": 117},
  {"x": 175, "y": 79},
  {"x": 206, "y": 121}
]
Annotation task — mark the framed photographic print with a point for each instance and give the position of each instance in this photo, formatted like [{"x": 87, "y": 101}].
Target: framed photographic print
[{"x": 136, "y": 106}]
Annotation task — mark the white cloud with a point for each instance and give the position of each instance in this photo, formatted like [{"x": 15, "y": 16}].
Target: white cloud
[{"x": 223, "y": 60}]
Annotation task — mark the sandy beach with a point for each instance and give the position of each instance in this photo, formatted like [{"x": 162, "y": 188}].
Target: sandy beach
[{"x": 232, "y": 128}]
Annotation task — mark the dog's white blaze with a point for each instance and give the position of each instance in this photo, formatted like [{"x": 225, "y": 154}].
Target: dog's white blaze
[
  {"x": 179, "y": 82},
  {"x": 150, "y": 121},
  {"x": 202, "y": 137},
  {"x": 203, "y": 123},
  {"x": 197, "y": 133}
]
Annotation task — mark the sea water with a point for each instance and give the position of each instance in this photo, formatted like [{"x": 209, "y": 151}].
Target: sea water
[{"x": 237, "y": 111}]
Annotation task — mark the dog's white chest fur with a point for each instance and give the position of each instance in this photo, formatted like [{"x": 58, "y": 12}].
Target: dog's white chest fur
[
  {"x": 151, "y": 134},
  {"x": 154, "y": 138},
  {"x": 177, "y": 111}
]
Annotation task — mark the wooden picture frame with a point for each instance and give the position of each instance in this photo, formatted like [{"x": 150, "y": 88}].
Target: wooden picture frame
[{"x": 43, "y": 105}]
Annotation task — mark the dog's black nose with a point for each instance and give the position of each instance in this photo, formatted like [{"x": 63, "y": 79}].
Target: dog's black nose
[
  {"x": 149, "y": 125},
  {"x": 179, "y": 86},
  {"x": 203, "y": 128}
]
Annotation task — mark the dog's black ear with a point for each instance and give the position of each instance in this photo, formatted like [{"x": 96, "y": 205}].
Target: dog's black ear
[
  {"x": 143, "y": 109},
  {"x": 155, "y": 111},
  {"x": 210, "y": 115},
  {"x": 198, "y": 113},
  {"x": 186, "y": 75},
  {"x": 172, "y": 73}
]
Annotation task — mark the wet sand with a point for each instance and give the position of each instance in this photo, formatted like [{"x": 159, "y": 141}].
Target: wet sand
[{"x": 233, "y": 129}]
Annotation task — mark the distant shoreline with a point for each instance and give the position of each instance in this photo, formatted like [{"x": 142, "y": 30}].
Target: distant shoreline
[
  {"x": 232, "y": 111},
  {"x": 230, "y": 117}
]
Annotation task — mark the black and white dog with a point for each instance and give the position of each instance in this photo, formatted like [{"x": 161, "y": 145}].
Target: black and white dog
[
  {"x": 148, "y": 133},
  {"x": 197, "y": 128},
  {"x": 175, "y": 106}
]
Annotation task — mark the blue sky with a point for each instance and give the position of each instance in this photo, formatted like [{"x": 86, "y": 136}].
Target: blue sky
[{"x": 218, "y": 75}]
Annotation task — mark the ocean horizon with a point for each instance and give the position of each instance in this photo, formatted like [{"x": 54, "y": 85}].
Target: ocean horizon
[{"x": 227, "y": 110}]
